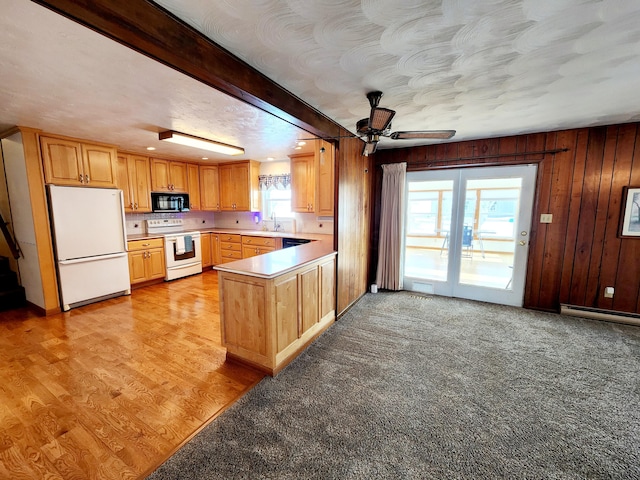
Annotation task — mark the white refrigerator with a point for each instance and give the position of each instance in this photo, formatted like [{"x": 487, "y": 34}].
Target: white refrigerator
[{"x": 90, "y": 244}]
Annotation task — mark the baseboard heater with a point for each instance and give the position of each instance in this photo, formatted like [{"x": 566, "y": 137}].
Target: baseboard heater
[{"x": 600, "y": 314}]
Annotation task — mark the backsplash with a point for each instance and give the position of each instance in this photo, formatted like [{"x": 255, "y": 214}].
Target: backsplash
[{"x": 302, "y": 223}]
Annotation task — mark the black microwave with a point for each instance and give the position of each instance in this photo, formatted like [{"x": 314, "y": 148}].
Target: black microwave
[{"x": 169, "y": 202}]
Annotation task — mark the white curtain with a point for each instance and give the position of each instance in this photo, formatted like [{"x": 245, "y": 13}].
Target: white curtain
[{"x": 389, "y": 274}]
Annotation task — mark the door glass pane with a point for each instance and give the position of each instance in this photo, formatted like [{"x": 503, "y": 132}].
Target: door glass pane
[
  {"x": 488, "y": 238},
  {"x": 429, "y": 211}
]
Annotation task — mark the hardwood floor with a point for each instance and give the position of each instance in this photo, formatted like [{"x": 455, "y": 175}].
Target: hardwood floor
[{"x": 112, "y": 389}]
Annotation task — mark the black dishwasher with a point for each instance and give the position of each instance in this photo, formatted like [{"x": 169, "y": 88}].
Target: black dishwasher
[{"x": 293, "y": 242}]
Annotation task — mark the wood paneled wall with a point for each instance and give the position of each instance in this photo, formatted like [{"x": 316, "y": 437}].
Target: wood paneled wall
[
  {"x": 574, "y": 258},
  {"x": 354, "y": 177}
]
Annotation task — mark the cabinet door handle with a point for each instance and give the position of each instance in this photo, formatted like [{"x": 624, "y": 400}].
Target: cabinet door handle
[
  {"x": 81, "y": 178},
  {"x": 86, "y": 178},
  {"x": 146, "y": 244}
]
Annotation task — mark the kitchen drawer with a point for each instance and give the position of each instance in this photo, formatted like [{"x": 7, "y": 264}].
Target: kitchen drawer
[
  {"x": 259, "y": 241},
  {"x": 236, "y": 247},
  {"x": 253, "y": 250},
  {"x": 134, "y": 245},
  {"x": 230, "y": 237},
  {"x": 230, "y": 255}
]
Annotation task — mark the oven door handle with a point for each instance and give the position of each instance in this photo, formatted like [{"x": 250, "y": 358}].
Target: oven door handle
[{"x": 186, "y": 265}]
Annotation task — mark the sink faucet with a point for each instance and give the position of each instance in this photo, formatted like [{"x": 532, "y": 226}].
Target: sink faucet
[{"x": 276, "y": 225}]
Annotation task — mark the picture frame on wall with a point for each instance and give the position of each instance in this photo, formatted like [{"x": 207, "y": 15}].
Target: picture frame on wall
[{"x": 630, "y": 215}]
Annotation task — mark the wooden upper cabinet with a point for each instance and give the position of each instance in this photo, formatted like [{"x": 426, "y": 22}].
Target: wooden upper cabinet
[
  {"x": 99, "y": 165},
  {"x": 123, "y": 182},
  {"x": 226, "y": 187},
  {"x": 160, "y": 176},
  {"x": 313, "y": 180},
  {"x": 325, "y": 182},
  {"x": 140, "y": 178},
  {"x": 193, "y": 182},
  {"x": 71, "y": 162},
  {"x": 239, "y": 186},
  {"x": 303, "y": 182},
  {"x": 168, "y": 176},
  {"x": 209, "y": 188},
  {"x": 179, "y": 177},
  {"x": 134, "y": 179},
  {"x": 62, "y": 161}
]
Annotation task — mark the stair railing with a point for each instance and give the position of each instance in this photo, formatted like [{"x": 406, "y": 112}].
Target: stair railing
[{"x": 13, "y": 246}]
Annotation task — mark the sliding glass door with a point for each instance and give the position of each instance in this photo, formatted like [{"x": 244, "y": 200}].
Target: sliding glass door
[{"x": 467, "y": 232}]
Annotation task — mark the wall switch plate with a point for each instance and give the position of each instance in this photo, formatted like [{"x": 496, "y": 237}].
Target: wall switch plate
[
  {"x": 608, "y": 292},
  {"x": 546, "y": 218}
]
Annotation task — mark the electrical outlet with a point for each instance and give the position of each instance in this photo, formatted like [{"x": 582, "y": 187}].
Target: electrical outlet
[
  {"x": 546, "y": 218},
  {"x": 608, "y": 292}
]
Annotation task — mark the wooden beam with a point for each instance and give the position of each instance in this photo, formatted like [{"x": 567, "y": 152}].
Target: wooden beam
[{"x": 156, "y": 33}]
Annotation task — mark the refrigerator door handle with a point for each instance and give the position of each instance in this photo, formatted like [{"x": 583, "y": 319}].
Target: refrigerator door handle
[
  {"x": 124, "y": 222},
  {"x": 92, "y": 259}
]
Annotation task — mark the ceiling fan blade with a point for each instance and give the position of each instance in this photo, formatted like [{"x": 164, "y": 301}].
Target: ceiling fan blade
[
  {"x": 437, "y": 134},
  {"x": 380, "y": 118}
]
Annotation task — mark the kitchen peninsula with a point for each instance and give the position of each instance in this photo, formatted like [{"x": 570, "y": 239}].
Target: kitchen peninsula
[{"x": 273, "y": 305}]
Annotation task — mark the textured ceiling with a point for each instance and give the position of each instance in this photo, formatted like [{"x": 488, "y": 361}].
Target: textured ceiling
[
  {"x": 484, "y": 68},
  {"x": 63, "y": 78}
]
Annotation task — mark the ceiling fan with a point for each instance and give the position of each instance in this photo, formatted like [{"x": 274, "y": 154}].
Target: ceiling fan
[{"x": 379, "y": 125}]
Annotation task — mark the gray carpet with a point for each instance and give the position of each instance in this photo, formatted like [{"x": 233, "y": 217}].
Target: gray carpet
[{"x": 405, "y": 386}]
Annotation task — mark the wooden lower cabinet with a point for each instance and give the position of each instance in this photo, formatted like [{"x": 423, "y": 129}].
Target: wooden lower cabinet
[
  {"x": 267, "y": 322},
  {"x": 205, "y": 249},
  {"x": 230, "y": 247},
  {"x": 257, "y": 245},
  {"x": 216, "y": 256},
  {"x": 146, "y": 260}
]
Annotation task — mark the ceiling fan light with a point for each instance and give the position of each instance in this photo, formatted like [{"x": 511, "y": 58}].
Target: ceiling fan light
[
  {"x": 436, "y": 134},
  {"x": 380, "y": 118},
  {"x": 198, "y": 142},
  {"x": 369, "y": 148}
]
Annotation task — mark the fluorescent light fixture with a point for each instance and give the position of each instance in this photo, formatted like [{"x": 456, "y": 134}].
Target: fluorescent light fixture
[{"x": 197, "y": 142}]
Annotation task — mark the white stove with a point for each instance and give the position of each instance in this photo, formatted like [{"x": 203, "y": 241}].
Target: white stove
[
  {"x": 182, "y": 252},
  {"x": 165, "y": 225}
]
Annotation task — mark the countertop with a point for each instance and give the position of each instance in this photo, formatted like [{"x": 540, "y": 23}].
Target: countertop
[
  {"x": 274, "y": 264},
  {"x": 238, "y": 231},
  {"x": 267, "y": 265}
]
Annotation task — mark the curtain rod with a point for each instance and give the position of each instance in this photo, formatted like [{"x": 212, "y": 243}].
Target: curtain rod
[{"x": 496, "y": 155}]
